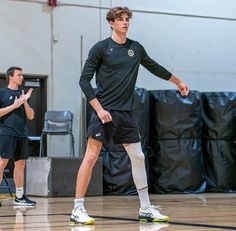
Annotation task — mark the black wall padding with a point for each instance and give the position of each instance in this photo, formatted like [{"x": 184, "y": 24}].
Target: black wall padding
[
  {"x": 117, "y": 175},
  {"x": 176, "y": 167},
  {"x": 174, "y": 116},
  {"x": 175, "y": 138},
  {"x": 219, "y": 110},
  {"x": 219, "y": 115},
  {"x": 220, "y": 165}
]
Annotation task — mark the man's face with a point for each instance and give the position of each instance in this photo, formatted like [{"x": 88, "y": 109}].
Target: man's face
[
  {"x": 17, "y": 78},
  {"x": 121, "y": 24}
]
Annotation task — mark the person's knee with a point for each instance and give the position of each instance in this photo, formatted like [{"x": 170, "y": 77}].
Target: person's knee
[
  {"x": 140, "y": 157},
  {"x": 20, "y": 164},
  {"x": 92, "y": 151},
  {"x": 3, "y": 163},
  {"x": 2, "y": 166},
  {"x": 135, "y": 152}
]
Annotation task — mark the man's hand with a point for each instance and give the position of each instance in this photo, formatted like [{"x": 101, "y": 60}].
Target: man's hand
[
  {"x": 104, "y": 116},
  {"x": 18, "y": 101},
  {"x": 183, "y": 88},
  {"x": 27, "y": 95}
]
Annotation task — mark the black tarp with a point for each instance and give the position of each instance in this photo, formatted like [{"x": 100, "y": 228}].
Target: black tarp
[
  {"x": 176, "y": 167},
  {"x": 175, "y": 138},
  {"x": 219, "y": 135},
  {"x": 220, "y": 165},
  {"x": 117, "y": 175},
  {"x": 174, "y": 116},
  {"x": 219, "y": 115}
]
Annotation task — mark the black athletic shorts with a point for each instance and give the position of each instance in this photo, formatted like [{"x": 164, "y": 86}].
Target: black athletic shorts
[
  {"x": 15, "y": 148},
  {"x": 123, "y": 128}
]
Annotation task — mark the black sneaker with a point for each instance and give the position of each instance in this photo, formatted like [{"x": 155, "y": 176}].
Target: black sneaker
[{"x": 25, "y": 201}]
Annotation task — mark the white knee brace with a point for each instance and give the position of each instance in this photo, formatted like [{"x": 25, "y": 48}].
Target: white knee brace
[{"x": 137, "y": 158}]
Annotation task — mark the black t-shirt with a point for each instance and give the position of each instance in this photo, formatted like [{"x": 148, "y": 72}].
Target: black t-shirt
[
  {"x": 116, "y": 67},
  {"x": 13, "y": 123}
]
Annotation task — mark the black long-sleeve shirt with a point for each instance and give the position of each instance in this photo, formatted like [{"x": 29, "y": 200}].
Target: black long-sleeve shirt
[{"x": 116, "y": 66}]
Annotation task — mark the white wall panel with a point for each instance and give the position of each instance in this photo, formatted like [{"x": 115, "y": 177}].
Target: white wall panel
[
  {"x": 25, "y": 36},
  {"x": 65, "y": 91},
  {"x": 189, "y": 47},
  {"x": 80, "y": 2},
  {"x": 219, "y": 8}
]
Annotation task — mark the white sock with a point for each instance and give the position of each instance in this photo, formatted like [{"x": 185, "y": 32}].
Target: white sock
[
  {"x": 144, "y": 198},
  {"x": 19, "y": 192},
  {"x": 79, "y": 203}
]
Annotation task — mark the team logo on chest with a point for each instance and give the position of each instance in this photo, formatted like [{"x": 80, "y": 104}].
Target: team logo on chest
[{"x": 130, "y": 53}]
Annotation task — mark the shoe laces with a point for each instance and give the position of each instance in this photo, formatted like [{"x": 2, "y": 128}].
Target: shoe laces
[
  {"x": 156, "y": 207},
  {"x": 81, "y": 211},
  {"x": 25, "y": 198}
]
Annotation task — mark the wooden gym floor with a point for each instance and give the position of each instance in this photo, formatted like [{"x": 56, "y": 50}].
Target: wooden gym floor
[{"x": 202, "y": 212}]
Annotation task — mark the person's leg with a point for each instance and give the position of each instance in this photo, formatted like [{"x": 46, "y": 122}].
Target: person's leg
[
  {"x": 3, "y": 164},
  {"x": 18, "y": 176},
  {"x": 139, "y": 172},
  {"x": 79, "y": 214},
  {"x": 5, "y": 153},
  {"x": 21, "y": 154},
  {"x": 84, "y": 174},
  {"x": 19, "y": 173},
  {"x": 5, "y": 149},
  {"x": 147, "y": 211}
]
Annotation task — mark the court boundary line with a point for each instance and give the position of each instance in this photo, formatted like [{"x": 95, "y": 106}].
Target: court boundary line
[{"x": 135, "y": 220}]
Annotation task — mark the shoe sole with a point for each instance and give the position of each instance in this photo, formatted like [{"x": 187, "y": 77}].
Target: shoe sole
[
  {"x": 74, "y": 222},
  {"x": 147, "y": 219},
  {"x": 22, "y": 204}
]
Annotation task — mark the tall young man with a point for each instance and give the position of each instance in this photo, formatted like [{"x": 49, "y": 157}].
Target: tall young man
[
  {"x": 116, "y": 62},
  {"x": 14, "y": 110}
]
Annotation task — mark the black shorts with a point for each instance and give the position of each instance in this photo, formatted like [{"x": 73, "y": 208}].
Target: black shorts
[
  {"x": 123, "y": 128},
  {"x": 15, "y": 148}
]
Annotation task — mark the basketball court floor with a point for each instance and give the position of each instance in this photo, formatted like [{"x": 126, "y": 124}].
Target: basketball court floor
[{"x": 202, "y": 212}]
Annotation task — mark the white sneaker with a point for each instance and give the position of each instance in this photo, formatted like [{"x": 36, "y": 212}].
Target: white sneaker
[
  {"x": 153, "y": 226},
  {"x": 152, "y": 214},
  {"x": 80, "y": 216}
]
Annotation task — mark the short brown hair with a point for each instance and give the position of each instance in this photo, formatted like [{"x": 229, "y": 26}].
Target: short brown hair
[
  {"x": 10, "y": 71},
  {"x": 116, "y": 12}
]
